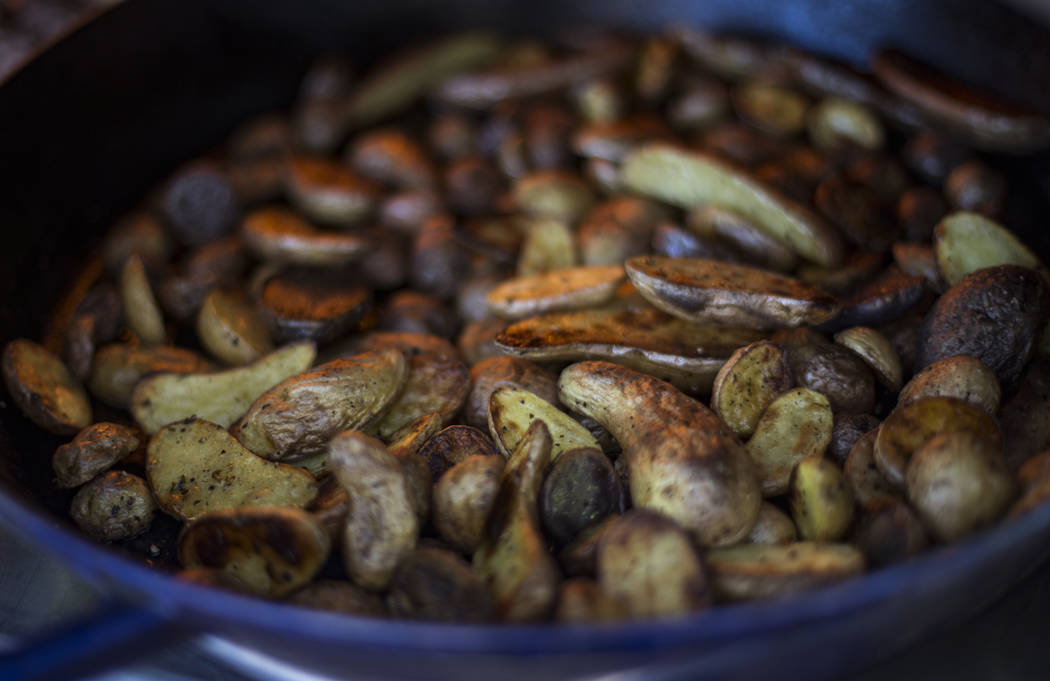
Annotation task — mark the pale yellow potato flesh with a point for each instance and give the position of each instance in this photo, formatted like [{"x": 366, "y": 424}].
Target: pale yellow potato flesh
[
  {"x": 796, "y": 425},
  {"x": 967, "y": 378},
  {"x": 571, "y": 288},
  {"x": 688, "y": 179},
  {"x": 548, "y": 246},
  {"x": 877, "y": 352},
  {"x": 965, "y": 242},
  {"x": 512, "y": 411},
  {"x": 141, "y": 309},
  {"x": 231, "y": 328},
  {"x": 821, "y": 500},
  {"x": 747, "y": 384},
  {"x": 220, "y": 397},
  {"x": 196, "y": 467}
]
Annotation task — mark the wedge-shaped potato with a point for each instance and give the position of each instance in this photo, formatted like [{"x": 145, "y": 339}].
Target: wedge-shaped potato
[
  {"x": 94, "y": 450},
  {"x": 298, "y": 416},
  {"x": 681, "y": 460},
  {"x": 756, "y": 571},
  {"x": 411, "y": 438},
  {"x": 966, "y": 242},
  {"x": 383, "y": 525},
  {"x": 688, "y": 179},
  {"x": 911, "y": 426},
  {"x": 821, "y": 500},
  {"x": 647, "y": 339},
  {"x": 772, "y": 527},
  {"x": 464, "y": 497},
  {"x": 328, "y": 192},
  {"x": 195, "y": 467},
  {"x": 231, "y": 329},
  {"x": 277, "y": 234},
  {"x": 796, "y": 425},
  {"x": 580, "y": 489},
  {"x": 747, "y": 383},
  {"x": 554, "y": 291},
  {"x": 877, "y": 351},
  {"x": 648, "y": 566},
  {"x": 220, "y": 397},
  {"x": 113, "y": 506},
  {"x": 496, "y": 372},
  {"x": 43, "y": 388},
  {"x": 865, "y": 480},
  {"x": 404, "y": 446},
  {"x": 118, "y": 368},
  {"x": 547, "y": 247},
  {"x": 512, "y": 411},
  {"x": 435, "y": 383},
  {"x": 513, "y": 558},
  {"x": 141, "y": 310},
  {"x": 961, "y": 376},
  {"x": 711, "y": 291},
  {"x": 271, "y": 551},
  {"x": 437, "y": 585}
]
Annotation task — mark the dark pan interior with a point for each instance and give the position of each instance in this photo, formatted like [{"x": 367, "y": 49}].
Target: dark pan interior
[{"x": 89, "y": 127}]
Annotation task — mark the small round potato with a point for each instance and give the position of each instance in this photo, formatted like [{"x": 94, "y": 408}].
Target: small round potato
[
  {"x": 772, "y": 527},
  {"x": 866, "y": 481},
  {"x": 464, "y": 497},
  {"x": 580, "y": 489},
  {"x": 43, "y": 388},
  {"x": 836, "y": 373},
  {"x": 451, "y": 446},
  {"x": 847, "y": 431},
  {"x": 961, "y": 376},
  {"x": 114, "y": 506},
  {"x": 959, "y": 483}
]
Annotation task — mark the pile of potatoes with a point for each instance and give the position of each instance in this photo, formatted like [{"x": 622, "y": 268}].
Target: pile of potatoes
[{"x": 595, "y": 329}]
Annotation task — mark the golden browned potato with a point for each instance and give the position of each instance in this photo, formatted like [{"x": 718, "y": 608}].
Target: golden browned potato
[
  {"x": 821, "y": 500},
  {"x": 772, "y": 527},
  {"x": 554, "y": 291},
  {"x": 708, "y": 291},
  {"x": 493, "y": 373},
  {"x": 94, "y": 450},
  {"x": 513, "y": 558},
  {"x": 383, "y": 524},
  {"x": 391, "y": 157},
  {"x": 298, "y": 416},
  {"x": 961, "y": 376},
  {"x": 464, "y": 498},
  {"x": 681, "y": 460},
  {"x": 118, "y": 368},
  {"x": 687, "y": 179},
  {"x": 796, "y": 425},
  {"x": 231, "y": 329},
  {"x": 338, "y": 596},
  {"x": 747, "y": 384},
  {"x": 220, "y": 397},
  {"x": 512, "y": 411},
  {"x": 307, "y": 303},
  {"x": 43, "y": 388},
  {"x": 959, "y": 483},
  {"x": 580, "y": 489},
  {"x": 195, "y": 467},
  {"x": 328, "y": 192},
  {"x": 141, "y": 310},
  {"x": 755, "y": 571},
  {"x": 911, "y": 426},
  {"x": 438, "y": 585},
  {"x": 272, "y": 551},
  {"x": 453, "y": 445},
  {"x": 648, "y": 566},
  {"x": 115, "y": 505}
]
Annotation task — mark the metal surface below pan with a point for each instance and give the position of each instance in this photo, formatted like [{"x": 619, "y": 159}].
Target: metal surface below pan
[{"x": 86, "y": 130}]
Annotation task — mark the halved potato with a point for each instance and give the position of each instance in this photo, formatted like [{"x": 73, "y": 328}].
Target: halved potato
[
  {"x": 747, "y": 383},
  {"x": 559, "y": 195},
  {"x": 580, "y": 489},
  {"x": 452, "y": 445},
  {"x": 965, "y": 242},
  {"x": 865, "y": 480},
  {"x": 753, "y": 571},
  {"x": 231, "y": 329},
  {"x": 464, "y": 498},
  {"x": 876, "y": 351},
  {"x": 796, "y": 425},
  {"x": 271, "y": 551},
  {"x": 754, "y": 243},
  {"x": 278, "y": 235},
  {"x": 512, "y": 411},
  {"x": 140, "y": 305},
  {"x": 43, "y": 388},
  {"x": 836, "y": 123},
  {"x": 438, "y": 585},
  {"x": 709, "y": 291},
  {"x": 496, "y": 372},
  {"x": 94, "y": 450},
  {"x": 435, "y": 383},
  {"x": 547, "y": 246},
  {"x": 298, "y": 416},
  {"x": 961, "y": 376},
  {"x": 308, "y": 303},
  {"x": 328, "y": 192},
  {"x": 772, "y": 527},
  {"x": 195, "y": 467},
  {"x": 554, "y": 291},
  {"x": 821, "y": 500},
  {"x": 688, "y": 179},
  {"x": 220, "y": 397},
  {"x": 118, "y": 368},
  {"x": 115, "y": 505}
]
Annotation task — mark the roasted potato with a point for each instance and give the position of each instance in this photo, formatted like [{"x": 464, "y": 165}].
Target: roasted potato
[
  {"x": 115, "y": 505},
  {"x": 753, "y": 571},
  {"x": 338, "y": 596},
  {"x": 433, "y": 584},
  {"x": 512, "y": 411},
  {"x": 961, "y": 376},
  {"x": 118, "y": 368},
  {"x": 231, "y": 329},
  {"x": 821, "y": 500},
  {"x": 452, "y": 445},
  {"x": 796, "y": 425},
  {"x": 750, "y": 380},
  {"x": 43, "y": 388},
  {"x": 464, "y": 498},
  {"x": 772, "y": 527},
  {"x": 580, "y": 489},
  {"x": 94, "y": 450}
]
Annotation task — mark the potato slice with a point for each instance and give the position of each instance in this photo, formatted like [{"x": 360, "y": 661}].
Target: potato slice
[
  {"x": 118, "y": 368},
  {"x": 910, "y": 426},
  {"x": 877, "y": 351},
  {"x": 277, "y": 234},
  {"x": 439, "y": 586},
  {"x": 580, "y": 489},
  {"x": 821, "y": 500},
  {"x": 512, "y": 411},
  {"x": 220, "y": 397},
  {"x": 453, "y": 445},
  {"x": 195, "y": 467},
  {"x": 389, "y": 156},
  {"x": 464, "y": 498},
  {"x": 298, "y": 416},
  {"x": 231, "y": 329},
  {"x": 959, "y": 483},
  {"x": 648, "y": 566},
  {"x": 681, "y": 460},
  {"x": 796, "y": 425},
  {"x": 383, "y": 526},
  {"x": 836, "y": 123},
  {"x": 547, "y": 247},
  {"x": 271, "y": 551},
  {"x": 496, "y": 372},
  {"x": 328, "y": 192},
  {"x": 966, "y": 242},
  {"x": 113, "y": 506},
  {"x": 747, "y": 384},
  {"x": 961, "y": 376},
  {"x": 755, "y": 571},
  {"x": 558, "y": 195},
  {"x": 865, "y": 480},
  {"x": 307, "y": 303},
  {"x": 94, "y": 450},
  {"x": 140, "y": 305},
  {"x": 772, "y": 527},
  {"x": 688, "y": 179},
  {"x": 555, "y": 291},
  {"x": 435, "y": 383},
  {"x": 742, "y": 235},
  {"x": 710, "y": 291},
  {"x": 43, "y": 388},
  {"x": 648, "y": 339},
  {"x": 513, "y": 558}
]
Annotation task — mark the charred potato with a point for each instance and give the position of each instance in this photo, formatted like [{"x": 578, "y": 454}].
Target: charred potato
[
  {"x": 43, "y": 388},
  {"x": 94, "y": 450}
]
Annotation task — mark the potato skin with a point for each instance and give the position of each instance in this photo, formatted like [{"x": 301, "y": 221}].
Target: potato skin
[
  {"x": 116, "y": 505},
  {"x": 44, "y": 389},
  {"x": 995, "y": 315},
  {"x": 580, "y": 489},
  {"x": 93, "y": 451},
  {"x": 1025, "y": 419},
  {"x": 493, "y": 373},
  {"x": 463, "y": 499},
  {"x": 836, "y": 373},
  {"x": 847, "y": 430},
  {"x": 437, "y": 585},
  {"x": 961, "y": 376}
]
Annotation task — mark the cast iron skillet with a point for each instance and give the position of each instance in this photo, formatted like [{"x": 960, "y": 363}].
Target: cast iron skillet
[{"x": 87, "y": 128}]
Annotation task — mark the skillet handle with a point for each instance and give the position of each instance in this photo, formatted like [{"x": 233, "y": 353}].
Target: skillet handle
[{"x": 112, "y": 635}]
